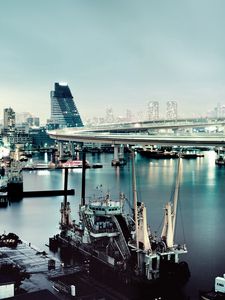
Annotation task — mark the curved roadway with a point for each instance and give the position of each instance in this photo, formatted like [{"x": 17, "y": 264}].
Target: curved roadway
[{"x": 83, "y": 135}]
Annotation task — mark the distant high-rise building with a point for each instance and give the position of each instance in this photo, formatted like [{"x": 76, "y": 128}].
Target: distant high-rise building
[
  {"x": 22, "y": 117},
  {"x": 219, "y": 111},
  {"x": 109, "y": 115},
  {"x": 33, "y": 121},
  {"x": 128, "y": 115},
  {"x": 171, "y": 110},
  {"x": 153, "y": 110},
  {"x": 9, "y": 120},
  {"x": 63, "y": 109}
]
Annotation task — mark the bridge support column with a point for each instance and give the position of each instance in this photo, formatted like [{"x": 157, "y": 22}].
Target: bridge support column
[
  {"x": 60, "y": 149},
  {"x": 71, "y": 147},
  {"x": 116, "y": 152},
  {"x": 115, "y": 161},
  {"x": 118, "y": 159},
  {"x": 78, "y": 150},
  {"x": 121, "y": 152}
]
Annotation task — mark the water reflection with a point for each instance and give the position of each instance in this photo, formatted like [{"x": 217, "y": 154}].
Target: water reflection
[{"x": 200, "y": 213}]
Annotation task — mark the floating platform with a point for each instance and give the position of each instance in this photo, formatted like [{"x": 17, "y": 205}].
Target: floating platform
[{"x": 37, "y": 168}]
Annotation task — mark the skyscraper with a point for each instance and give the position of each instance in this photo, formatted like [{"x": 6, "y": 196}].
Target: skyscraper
[
  {"x": 9, "y": 120},
  {"x": 109, "y": 117},
  {"x": 63, "y": 109},
  {"x": 153, "y": 110},
  {"x": 171, "y": 110}
]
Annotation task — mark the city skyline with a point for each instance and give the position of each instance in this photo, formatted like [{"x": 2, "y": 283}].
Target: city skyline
[{"x": 115, "y": 54}]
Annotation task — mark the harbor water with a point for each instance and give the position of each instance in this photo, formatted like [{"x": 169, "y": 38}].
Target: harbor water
[{"x": 200, "y": 215}]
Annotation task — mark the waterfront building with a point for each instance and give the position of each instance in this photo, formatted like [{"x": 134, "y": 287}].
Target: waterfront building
[
  {"x": 9, "y": 120},
  {"x": 16, "y": 138},
  {"x": 22, "y": 117},
  {"x": 153, "y": 110},
  {"x": 63, "y": 109},
  {"x": 40, "y": 138},
  {"x": 51, "y": 125},
  {"x": 33, "y": 121},
  {"x": 171, "y": 110}
]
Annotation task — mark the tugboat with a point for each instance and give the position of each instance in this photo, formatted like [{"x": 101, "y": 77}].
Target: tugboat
[{"x": 125, "y": 244}]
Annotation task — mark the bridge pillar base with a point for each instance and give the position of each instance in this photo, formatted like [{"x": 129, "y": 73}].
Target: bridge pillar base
[{"x": 118, "y": 159}]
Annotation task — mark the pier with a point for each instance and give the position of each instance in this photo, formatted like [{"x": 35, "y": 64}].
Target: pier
[{"x": 48, "y": 193}]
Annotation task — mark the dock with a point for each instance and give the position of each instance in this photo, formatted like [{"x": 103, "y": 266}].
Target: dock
[
  {"x": 59, "y": 279},
  {"x": 47, "y": 193}
]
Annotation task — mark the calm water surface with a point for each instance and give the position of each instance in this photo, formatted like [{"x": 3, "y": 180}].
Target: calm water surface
[{"x": 201, "y": 211}]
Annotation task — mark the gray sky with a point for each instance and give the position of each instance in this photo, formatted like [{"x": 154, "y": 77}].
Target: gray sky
[{"x": 119, "y": 53}]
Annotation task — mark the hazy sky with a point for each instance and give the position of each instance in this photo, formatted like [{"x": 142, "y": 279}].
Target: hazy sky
[{"x": 119, "y": 53}]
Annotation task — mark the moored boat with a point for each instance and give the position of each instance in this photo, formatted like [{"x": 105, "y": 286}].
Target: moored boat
[
  {"x": 122, "y": 243},
  {"x": 157, "y": 154},
  {"x": 70, "y": 163},
  {"x": 220, "y": 161},
  {"x": 190, "y": 155}
]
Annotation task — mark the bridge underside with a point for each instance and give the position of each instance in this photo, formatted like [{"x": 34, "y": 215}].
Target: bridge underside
[{"x": 139, "y": 139}]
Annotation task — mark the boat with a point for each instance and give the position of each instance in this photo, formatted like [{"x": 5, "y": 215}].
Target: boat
[
  {"x": 70, "y": 163},
  {"x": 191, "y": 155},
  {"x": 218, "y": 293},
  {"x": 158, "y": 154},
  {"x": 97, "y": 165},
  {"x": 124, "y": 244},
  {"x": 118, "y": 162},
  {"x": 220, "y": 161}
]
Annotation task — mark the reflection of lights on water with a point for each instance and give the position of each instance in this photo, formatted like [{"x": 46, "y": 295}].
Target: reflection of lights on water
[
  {"x": 117, "y": 171},
  {"x": 46, "y": 157},
  {"x": 211, "y": 157},
  {"x": 199, "y": 162},
  {"x": 43, "y": 172},
  {"x": 74, "y": 170}
]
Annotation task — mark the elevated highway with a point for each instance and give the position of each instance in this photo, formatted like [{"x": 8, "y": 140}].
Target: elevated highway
[
  {"x": 148, "y": 126},
  {"x": 138, "y": 139},
  {"x": 147, "y": 133}
]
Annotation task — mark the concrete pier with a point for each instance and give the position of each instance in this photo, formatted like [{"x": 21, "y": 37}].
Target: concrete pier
[{"x": 48, "y": 193}]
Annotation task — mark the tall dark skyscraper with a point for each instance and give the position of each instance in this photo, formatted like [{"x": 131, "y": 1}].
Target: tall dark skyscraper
[{"x": 63, "y": 109}]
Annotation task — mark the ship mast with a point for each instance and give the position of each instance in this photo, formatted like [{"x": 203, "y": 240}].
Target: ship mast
[
  {"x": 134, "y": 185},
  {"x": 83, "y": 177},
  {"x": 176, "y": 194},
  {"x": 65, "y": 205}
]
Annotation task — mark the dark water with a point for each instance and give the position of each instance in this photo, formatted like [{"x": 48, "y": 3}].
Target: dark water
[{"x": 201, "y": 211}]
